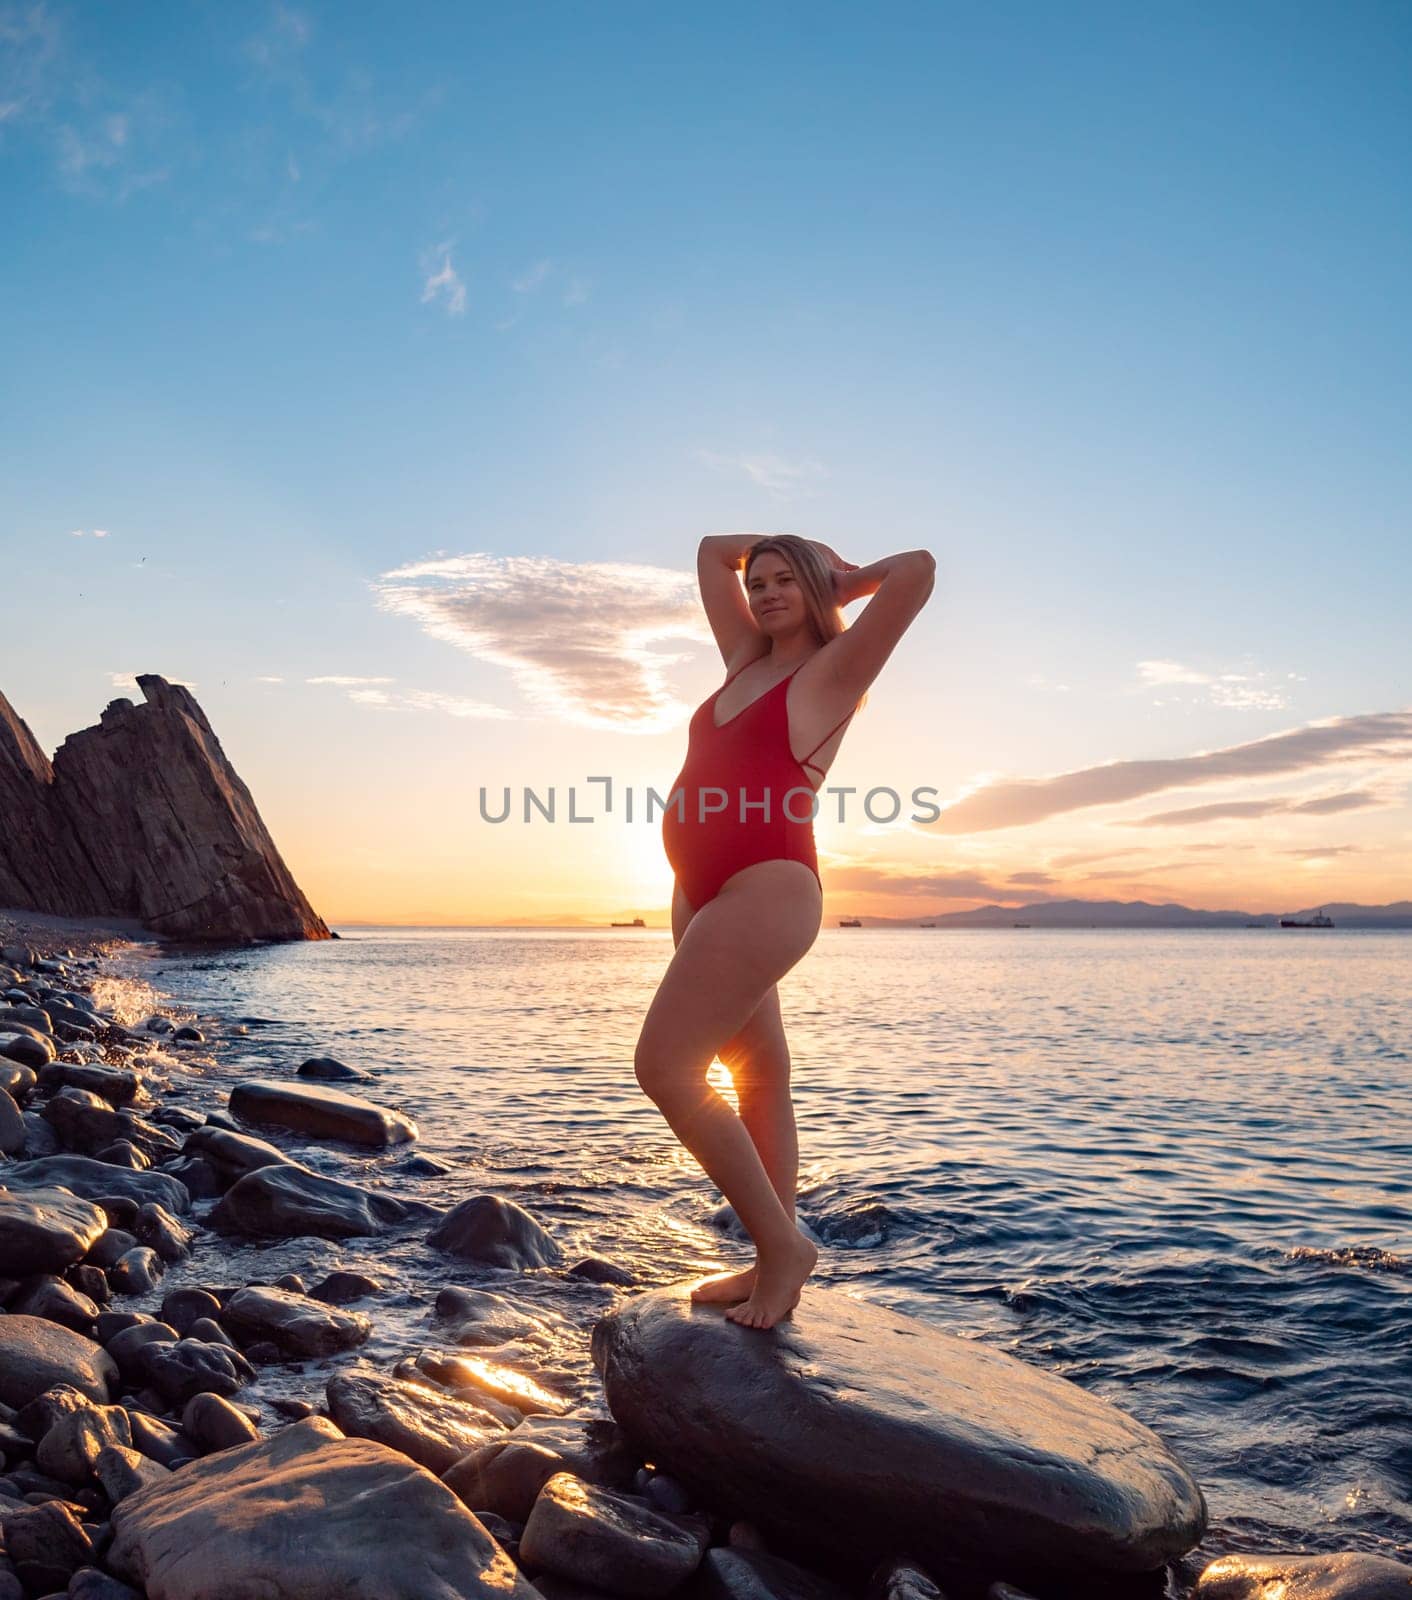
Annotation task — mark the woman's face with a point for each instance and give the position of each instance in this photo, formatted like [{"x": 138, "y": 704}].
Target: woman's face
[{"x": 776, "y": 599}]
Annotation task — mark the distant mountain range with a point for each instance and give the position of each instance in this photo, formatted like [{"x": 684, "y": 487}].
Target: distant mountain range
[{"x": 1139, "y": 914}]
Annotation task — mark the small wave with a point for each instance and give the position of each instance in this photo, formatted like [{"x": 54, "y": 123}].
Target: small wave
[{"x": 1353, "y": 1255}]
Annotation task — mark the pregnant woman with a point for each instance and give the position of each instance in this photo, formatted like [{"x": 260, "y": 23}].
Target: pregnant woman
[{"x": 739, "y": 833}]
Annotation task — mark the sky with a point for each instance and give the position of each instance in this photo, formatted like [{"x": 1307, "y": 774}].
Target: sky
[{"x": 376, "y": 370}]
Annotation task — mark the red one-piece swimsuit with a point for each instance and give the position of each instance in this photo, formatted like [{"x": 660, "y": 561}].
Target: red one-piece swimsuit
[{"x": 707, "y": 832}]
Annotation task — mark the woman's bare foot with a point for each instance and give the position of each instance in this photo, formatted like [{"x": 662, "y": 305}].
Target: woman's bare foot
[
  {"x": 778, "y": 1285},
  {"x": 725, "y": 1287}
]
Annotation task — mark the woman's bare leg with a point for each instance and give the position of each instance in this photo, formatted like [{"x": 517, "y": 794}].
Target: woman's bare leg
[{"x": 733, "y": 951}]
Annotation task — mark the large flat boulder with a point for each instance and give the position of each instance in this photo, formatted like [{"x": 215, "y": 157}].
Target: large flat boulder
[
  {"x": 35, "y": 1355},
  {"x": 858, "y": 1429},
  {"x": 45, "y": 1230},
  {"x": 320, "y": 1113},
  {"x": 298, "y": 1325},
  {"x": 422, "y": 1423},
  {"x": 97, "y": 1180},
  {"x": 1347, "y": 1575},
  {"x": 308, "y": 1515},
  {"x": 290, "y": 1202}
]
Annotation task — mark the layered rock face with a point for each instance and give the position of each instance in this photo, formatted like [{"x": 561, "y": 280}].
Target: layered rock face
[{"x": 143, "y": 817}]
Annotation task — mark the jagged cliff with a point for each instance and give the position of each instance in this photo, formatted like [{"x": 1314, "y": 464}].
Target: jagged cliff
[{"x": 143, "y": 816}]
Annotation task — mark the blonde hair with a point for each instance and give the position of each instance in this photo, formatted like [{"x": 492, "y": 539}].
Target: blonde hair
[{"x": 815, "y": 580}]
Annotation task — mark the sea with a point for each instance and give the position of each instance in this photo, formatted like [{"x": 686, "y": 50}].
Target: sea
[{"x": 1174, "y": 1167}]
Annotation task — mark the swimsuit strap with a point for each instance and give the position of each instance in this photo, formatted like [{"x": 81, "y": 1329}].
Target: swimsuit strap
[{"x": 806, "y": 762}]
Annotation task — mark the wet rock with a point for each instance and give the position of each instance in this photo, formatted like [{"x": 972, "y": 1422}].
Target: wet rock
[
  {"x": 479, "y": 1379},
  {"x": 26, "y": 1049},
  {"x": 127, "y": 1345},
  {"x": 1032, "y": 1469},
  {"x": 497, "y": 1232},
  {"x": 577, "y": 1530},
  {"x": 291, "y": 1280},
  {"x": 595, "y": 1270},
  {"x": 341, "y": 1288},
  {"x": 420, "y": 1166},
  {"x": 900, "y": 1579},
  {"x": 592, "y": 1448},
  {"x": 94, "y": 1180},
  {"x": 40, "y": 1415},
  {"x": 503, "y": 1476},
  {"x": 290, "y": 1202},
  {"x": 12, "y": 1126},
  {"x": 181, "y": 1117},
  {"x": 45, "y": 1230},
  {"x": 47, "y": 1544},
  {"x": 216, "y": 1424},
  {"x": 431, "y": 1428},
  {"x": 69, "y": 1450},
  {"x": 136, "y": 1271},
  {"x": 91, "y": 1583},
  {"x": 482, "y": 1317},
  {"x": 330, "y": 1070},
  {"x": 209, "y": 1331},
  {"x": 730, "y": 1574},
  {"x": 233, "y": 1154},
  {"x": 667, "y": 1494},
  {"x": 123, "y": 1153},
  {"x": 117, "y": 1085},
  {"x": 159, "y": 1229},
  {"x": 40, "y": 1138},
  {"x": 288, "y": 1518},
  {"x": 187, "y": 1034},
  {"x": 159, "y": 1441},
  {"x": 297, "y": 1324},
  {"x": 182, "y": 1307},
  {"x": 87, "y": 1124},
  {"x": 297, "y": 1410},
  {"x": 320, "y": 1113},
  {"x": 189, "y": 1367},
  {"x": 1344, "y": 1576},
  {"x": 124, "y": 1471},
  {"x": 35, "y": 1355},
  {"x": 90, "y": 1281},
  {"x": 110, "y": 1247},
  {"x": 198, "y": 1177},
  {"x": 55, "y": 1301}
]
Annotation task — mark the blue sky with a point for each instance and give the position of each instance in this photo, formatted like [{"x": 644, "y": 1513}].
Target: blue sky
[{"x": 1104, "y": 305}]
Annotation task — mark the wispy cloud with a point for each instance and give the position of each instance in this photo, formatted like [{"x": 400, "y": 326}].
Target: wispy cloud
[
  {"x": 442, "y": 281},
  {"x": 579, "y": 639},
  {"x": 368, "y": 692},
  {"x": 269, "y": 677},
  {"x": 932, "y": 884},
  {"x": 1384, "y": 737},
  {"x": 1251, "y": 690},
  {"x": 29, "y": 49},
  {"x": 577, "y": 292},
  {"x": 92, "y": 533},
  {"x": 1321, "y": 806},
  {"x": 776, "y": 474},
  {"x": 531, "y": 278},
  {"x": 1322, "y": 852},
  {"x": 346, "y": 681}
]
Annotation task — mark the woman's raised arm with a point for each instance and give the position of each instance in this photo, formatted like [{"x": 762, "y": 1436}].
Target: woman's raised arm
[
  {"x": 718, "y": 559},
  {"x": 900, "y": 586}
]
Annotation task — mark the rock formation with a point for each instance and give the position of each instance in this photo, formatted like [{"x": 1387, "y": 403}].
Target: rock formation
[{"x": 143, "y": 817}]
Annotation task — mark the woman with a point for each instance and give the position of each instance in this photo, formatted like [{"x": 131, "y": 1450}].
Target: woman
[{"x": 748, "y": 902}]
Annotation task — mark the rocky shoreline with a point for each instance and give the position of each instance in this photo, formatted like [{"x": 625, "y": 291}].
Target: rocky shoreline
[{"x": 165, "y": 1430}]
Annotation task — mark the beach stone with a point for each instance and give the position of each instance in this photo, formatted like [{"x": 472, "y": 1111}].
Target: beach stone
[
  {"x": 593, "y": 1269},
  {"x": 592, "y": 1448},
  {"x": 45, "y": 1230},
  {"x": 341, "y": 1288},
  {"x": 110, "y": 1247},
  {"x": 91, "y": 1583},
  {"x": 189, "y": 1367},
  {"x": 216, "y": 1424},
  {"x": 123, "y": 1153},
  {"x": 290, "y": 1517},
  {"x": 578, "y": 1530},
  {"x": 421, "y": 1166},
  {"x": 209, "y": 1331},
  {"x": 297, "y": 1324},
  {"x": 91, "y": 1281},
  {"x": 70, "y": 1448},
  {"x": 95, "y": 1180},
  {"x": 136, "y": 1271},
  {"x": 728, "y": 1573},
  {"x": 182, "y": 1307},
  {"x": 123, "y": 1471},
  {"x": 431, "y": 1428},
  {"x": 1034, "y": 1471},
  {"x": 35, "y": 1355},
  {"x": 491, "y": 1382},
  {"x": 28, "y": 1049},
  {"x": 233, "y": 1154},
  {"x": 159, "y": 1441},
  {"x": 126, "y": 1346},
  {"x": 290, "y": 1202},
  {"x": 497, "y": 1232},
  {"x": 12, "y": 1127},
  {"x": 330, "y": 1070},
  {"x": 16, "y": 1080},
  {"x": 47, "y": 1544},
  {"x": 320, "y": 1113},
  {"x": 159, "y": 1229},
  {"x": 55, "y": 1301},
  {"x": 503, "y": 1476},
  {"x": 187, "y": 1034},
  {"x": 1344, "y": 1576},
  {"x": 483, "y": 1317},
  {"x": 40, "y": 1138},
  {"x": 88, "y": 1125},
  {"x": 117, "y": 1085},
  {"x": 198, "y": 1177}
]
